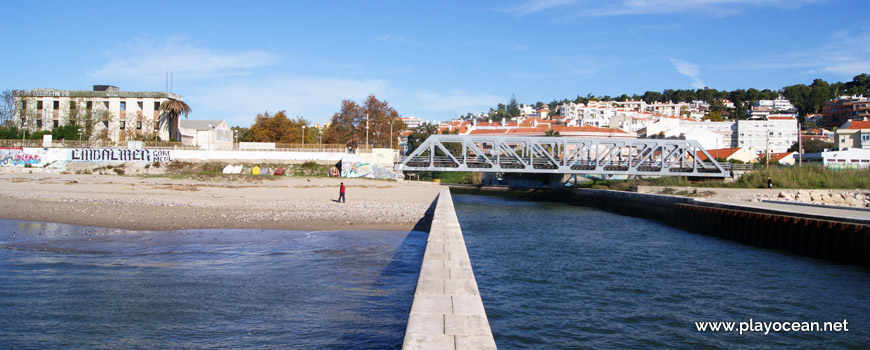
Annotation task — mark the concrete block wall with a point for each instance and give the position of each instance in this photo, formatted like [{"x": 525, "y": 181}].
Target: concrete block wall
[{"x": 447, "y": 312}]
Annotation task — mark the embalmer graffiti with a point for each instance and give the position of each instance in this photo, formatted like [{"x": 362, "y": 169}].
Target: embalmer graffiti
[{"x": 119, "y": 155}]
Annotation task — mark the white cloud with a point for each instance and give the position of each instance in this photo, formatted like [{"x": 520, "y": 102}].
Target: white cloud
[
  {"x": 588, "y": 8},
  {"x": 397, "y": 39},
  {"x": 690, "y": 70},
  {"x": 533, "y": 6},
  {"x": 846, "y": 53},
  {"x": 148, "y": 60}
]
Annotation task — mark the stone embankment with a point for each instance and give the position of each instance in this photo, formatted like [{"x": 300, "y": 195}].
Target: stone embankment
[{"x": 827, "y": 197}]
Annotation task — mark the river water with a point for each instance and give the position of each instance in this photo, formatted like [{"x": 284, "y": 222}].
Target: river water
[
  {"x": 554, "y": 276},
  {"x": 64, "y": 286}
]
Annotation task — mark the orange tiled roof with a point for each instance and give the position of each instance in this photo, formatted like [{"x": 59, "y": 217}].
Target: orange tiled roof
[
  {"x": 723, "y": 153},
  {"x": 859, "y": 124},
  {"x": 779, "y": 156}
]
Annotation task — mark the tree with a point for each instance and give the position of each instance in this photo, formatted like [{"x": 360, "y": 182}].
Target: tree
[
  {"x": 714, "y": 116},
  {"x": 86, "y": 119},
  {"x": 812, "y": 146},
  {"x": 278, "y": 128},
  {"x": 420, "y": 134},
  {"x": 242, "y": 134},
  {"x": 513, "y": 109},
  {"x": 139, "y": 128},
  {"x": 383, "y": 122},
  {"x": 551, "y": 133},
  {"x": 170, "y": 112},
  {"x": 349, "y": 124},
  {"x": 7, "y": 109}
]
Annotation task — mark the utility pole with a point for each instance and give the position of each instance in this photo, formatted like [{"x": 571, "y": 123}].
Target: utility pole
[
  {"x": 800, "y": 145},
  {"x": 391, "y": 133},
  {"x": 367, "y": 129}
]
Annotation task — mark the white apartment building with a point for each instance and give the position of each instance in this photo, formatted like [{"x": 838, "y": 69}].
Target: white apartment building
[
  {"x": 774, "y": 135},
  {"x": 411, "y": 122},
  {"x": 778, "y": 105},
  {"x": 669, "y": 108},
  {"x": 118, "y": 115}
]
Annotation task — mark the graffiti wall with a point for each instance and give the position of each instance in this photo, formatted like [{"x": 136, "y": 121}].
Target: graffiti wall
[
  {"x": 353, "y": 166},
  {"x": 119, "y": 155},
  {"x": 17, "y": 156},
  {"x": 38, "y": 157}
]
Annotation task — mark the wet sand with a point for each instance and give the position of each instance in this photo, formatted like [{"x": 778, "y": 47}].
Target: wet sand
[{"x": 161, "y": 203}]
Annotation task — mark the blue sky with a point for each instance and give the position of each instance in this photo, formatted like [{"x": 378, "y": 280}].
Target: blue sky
[{"x": 433, "y": 60}]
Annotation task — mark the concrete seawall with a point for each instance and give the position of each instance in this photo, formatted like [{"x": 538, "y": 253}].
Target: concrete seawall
[
  {"x": 447, "y": 312},
  {"x": 840, "y": 235}
]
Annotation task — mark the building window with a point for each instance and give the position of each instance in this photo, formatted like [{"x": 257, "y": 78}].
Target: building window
[
  {"x": 90, "y": 105},
  {"x": 38, "y": 104},
  {"x": 156, "y": 105},
  {"x": 140, "y": 105},
  {"x": 123, "y": 106},
  {"x": 55, "y": 105},
  {"x": 139, "y": 125},
  {"x": 106, "y": 103},
  {"x": 122, "y": 124},
  {"x": 56, "y": 123},
  {"x": 72, "y": 105},
  {"x": 39, "y": 123},
  {"x": 865, "y": 137}
]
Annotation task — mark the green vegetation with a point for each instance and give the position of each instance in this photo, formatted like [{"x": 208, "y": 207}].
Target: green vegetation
[
  {"x": 792, "y": 177},
  {"x": 451, "y": 177}
]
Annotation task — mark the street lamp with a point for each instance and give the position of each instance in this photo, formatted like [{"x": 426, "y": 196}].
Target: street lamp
[
  {"x": 367, "y": 129},
  {"x": 210, "y": 130},
  {"x": 303, "y": 136}
]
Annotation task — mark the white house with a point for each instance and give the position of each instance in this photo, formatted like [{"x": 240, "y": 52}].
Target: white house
[{"x": 207, "y": 134}]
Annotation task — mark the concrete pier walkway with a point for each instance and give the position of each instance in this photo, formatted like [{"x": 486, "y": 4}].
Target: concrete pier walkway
[{"x": 447, "y": 312}]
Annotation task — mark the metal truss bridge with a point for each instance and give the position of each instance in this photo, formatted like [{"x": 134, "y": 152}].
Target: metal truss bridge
[{"x": 562, "y": 155}]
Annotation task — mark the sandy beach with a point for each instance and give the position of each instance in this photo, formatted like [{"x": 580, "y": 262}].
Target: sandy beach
[{"x": 161, "y": 203}]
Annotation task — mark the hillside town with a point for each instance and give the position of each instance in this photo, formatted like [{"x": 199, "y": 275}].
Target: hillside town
[{"x": 772, "y": 130}]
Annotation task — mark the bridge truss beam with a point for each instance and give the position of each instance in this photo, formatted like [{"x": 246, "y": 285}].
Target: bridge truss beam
[{"x": 562, "y": 155}]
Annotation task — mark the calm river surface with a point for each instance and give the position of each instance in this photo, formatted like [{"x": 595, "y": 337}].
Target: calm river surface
[
  {"x": 554, "y": 276},
  {"x": 64, "y": 286}
]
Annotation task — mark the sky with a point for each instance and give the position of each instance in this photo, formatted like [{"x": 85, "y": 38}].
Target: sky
[{"x": 435, "y": 60}]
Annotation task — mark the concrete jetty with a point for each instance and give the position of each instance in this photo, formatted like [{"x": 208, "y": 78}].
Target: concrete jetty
[{"x": 447, "y": 312}]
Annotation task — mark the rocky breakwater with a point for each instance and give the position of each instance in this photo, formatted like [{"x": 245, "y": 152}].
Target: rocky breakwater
[{"x": 859, "y": 199}]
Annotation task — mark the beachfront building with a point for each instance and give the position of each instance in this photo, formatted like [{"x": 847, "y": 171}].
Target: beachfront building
[
  {"x": 854, "y": 134},
  {"x": 839, "y": 110},
  {"x": 206, "y": 134},
  {"x": 115, "y": 115}
]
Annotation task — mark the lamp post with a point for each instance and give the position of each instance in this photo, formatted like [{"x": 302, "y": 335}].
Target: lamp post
[
  {"x": 367, "y": 129},
  {"x": 391, "y": 133},
  {"x": 210, "y": 130},
  {"x": 235, "y": 138},
  {"x": 303, "y": 136}
]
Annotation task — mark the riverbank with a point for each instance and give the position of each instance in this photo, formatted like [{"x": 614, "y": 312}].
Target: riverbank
[{"x": 161, "y": 203}]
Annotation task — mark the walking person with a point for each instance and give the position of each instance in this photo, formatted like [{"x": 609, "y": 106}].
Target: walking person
[
  {"x": 769, "y": 183},
  {"x": 341, "y": 194}
]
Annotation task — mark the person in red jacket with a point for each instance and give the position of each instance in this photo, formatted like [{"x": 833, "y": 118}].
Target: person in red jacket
[{"x": 341, "y": 194}]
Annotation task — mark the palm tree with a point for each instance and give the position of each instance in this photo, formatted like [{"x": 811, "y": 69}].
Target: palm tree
[
  {"x": 170, "y": 111},
  {"x": 551, "y": 133}
]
